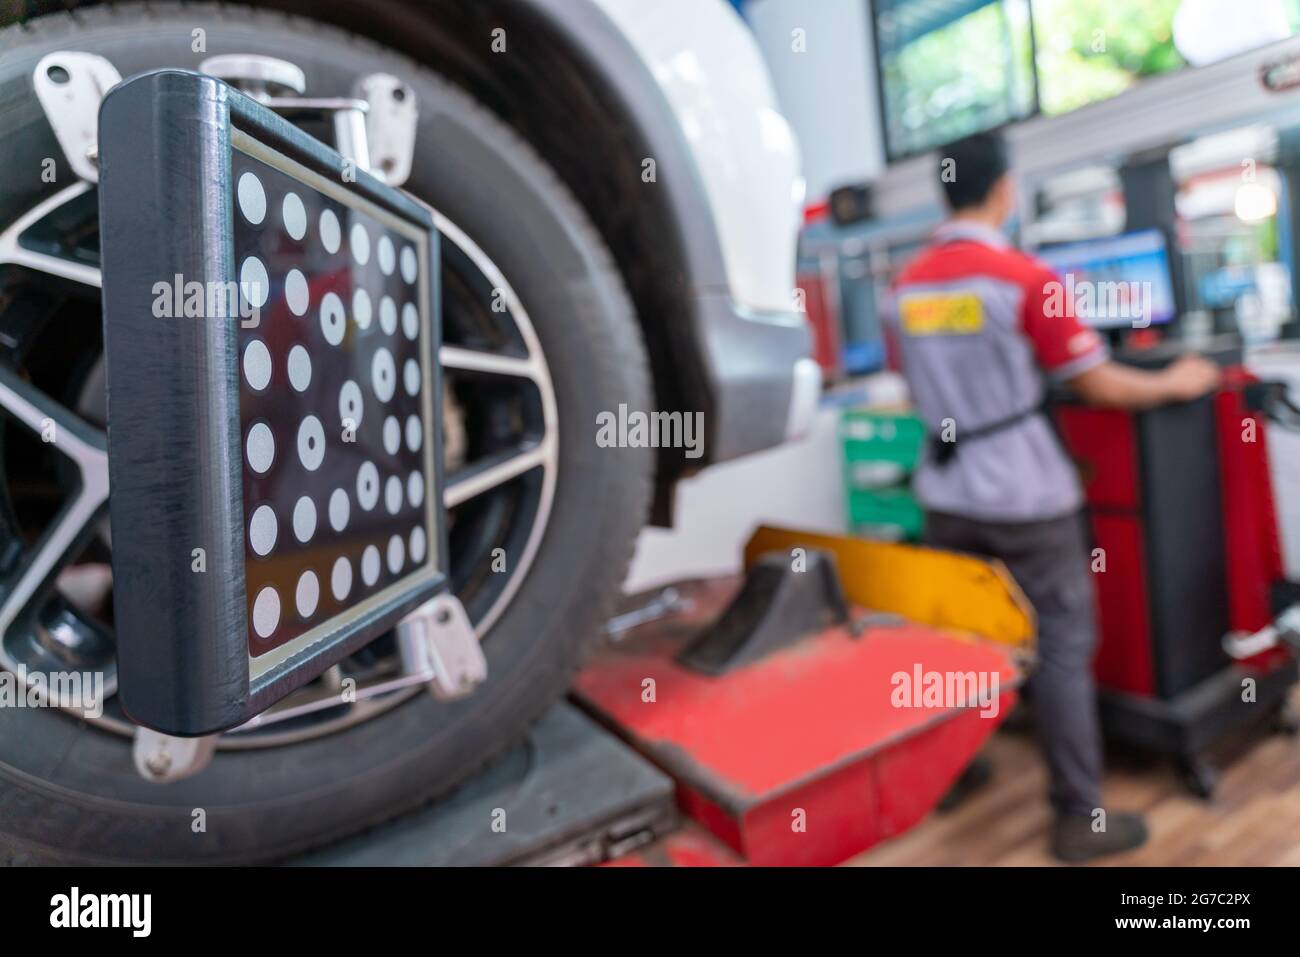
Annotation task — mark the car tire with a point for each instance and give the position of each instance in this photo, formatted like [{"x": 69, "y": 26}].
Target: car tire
[{"x": 69, "y": 791}]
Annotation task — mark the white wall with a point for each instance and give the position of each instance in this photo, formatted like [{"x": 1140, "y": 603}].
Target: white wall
[
  {"x": 828, "y": 93},
  {"x": 798, "y": 485}
]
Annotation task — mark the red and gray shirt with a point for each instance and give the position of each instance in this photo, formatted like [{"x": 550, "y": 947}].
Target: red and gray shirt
[{"x": 978, "y": 335}]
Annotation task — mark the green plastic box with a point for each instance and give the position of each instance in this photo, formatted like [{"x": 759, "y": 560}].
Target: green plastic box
[{"x": 881, "y": 451}]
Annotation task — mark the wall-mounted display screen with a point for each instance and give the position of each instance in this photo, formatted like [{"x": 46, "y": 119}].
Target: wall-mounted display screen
[{"x": 949, "y": 68}]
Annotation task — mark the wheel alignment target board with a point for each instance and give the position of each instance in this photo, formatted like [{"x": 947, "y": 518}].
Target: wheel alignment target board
[{"x": 271, "y": 327}]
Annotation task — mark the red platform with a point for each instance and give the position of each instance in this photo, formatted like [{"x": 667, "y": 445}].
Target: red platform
[{"x": 803, "y": 758}]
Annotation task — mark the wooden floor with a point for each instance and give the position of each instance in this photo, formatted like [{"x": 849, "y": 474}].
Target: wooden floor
[{"x": 1253, "y": 818}]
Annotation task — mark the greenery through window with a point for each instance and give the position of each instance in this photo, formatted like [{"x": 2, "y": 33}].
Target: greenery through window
[
  {"x": 953, "y": 67},
  {"x": 1090, "y": 50}
]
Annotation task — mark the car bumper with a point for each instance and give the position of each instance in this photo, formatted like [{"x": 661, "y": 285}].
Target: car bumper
[{"x": 764, "y": 387}]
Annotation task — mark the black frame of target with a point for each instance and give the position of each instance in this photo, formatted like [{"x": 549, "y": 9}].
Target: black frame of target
[{"x": 177, "y": 438}]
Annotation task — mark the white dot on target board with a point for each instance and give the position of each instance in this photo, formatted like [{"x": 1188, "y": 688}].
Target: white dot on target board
[
  {"x": 361, "y": 311},
  {"x": 263, "y": 530},
  {"x": 414, "y": 433},
  {"x": 307, "y": 594},
  {"x": 383, "y": 374},
  {"x": 260, "y": 447},
  {"x": 333, "y": 321},
  {"x": 370, "y": 565},
  {"x": 393, "y": 494},
  {"x": 304, "y": 519},
  {"x": 410, "y": 321},
  {"x": 388, "y": 315},
  {"x": 340, "y": 508},
  {"x": 417, "y": 544},
  {"x": 252, "y": 198},
  {"x": 266, "y": 612},
  {"x": 295, "y": 292},
  {"x": 360, "y": 240},
  {"x": 392, "y": 435},
  {"x": 311, "y": 443},
  {"x": 367, "y": 486},
  {"x": 387, "y": 255},
  {"x": 415, "y": 488},
  {"x": 330, "y": 234},
  {"x": 411, "y": 377},
  {"x": 351, "y": 407},
  {"x": 299, "y": 368},
  {"x": 257, "y": 365},
  {"x": 408, "y": 264},
  {"x": 341, "y": 579},
  {"x": 396, "y": 554},
  {"x": 295, "y": 216},
  {"x": 254, "y": 283}
]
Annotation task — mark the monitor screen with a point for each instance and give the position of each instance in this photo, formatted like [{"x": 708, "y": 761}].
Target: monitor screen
[
  {"x": 1116, "y": 282},
  {"x": 948, "y": 69}
]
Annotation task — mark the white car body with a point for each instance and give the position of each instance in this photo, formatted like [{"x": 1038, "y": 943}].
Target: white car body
[{"x": 712, "y": 74}]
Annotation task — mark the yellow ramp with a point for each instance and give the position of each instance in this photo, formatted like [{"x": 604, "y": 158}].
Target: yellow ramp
[{"x": 938, "y": 588}]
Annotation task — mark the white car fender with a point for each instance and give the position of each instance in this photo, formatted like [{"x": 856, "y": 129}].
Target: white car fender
[{"x": 711, "y": 72}]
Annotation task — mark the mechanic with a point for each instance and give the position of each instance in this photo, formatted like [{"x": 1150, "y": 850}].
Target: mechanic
[{"x": 979, "y": 333}]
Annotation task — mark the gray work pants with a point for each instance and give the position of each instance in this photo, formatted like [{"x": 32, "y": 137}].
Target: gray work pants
[{"x": 1049, "y": 561}]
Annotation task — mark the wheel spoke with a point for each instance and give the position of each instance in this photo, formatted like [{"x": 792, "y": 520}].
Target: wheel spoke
[
  {"x": 488, "y": 363},
  {"x": 86, "y": 448},
  {"x": 86, "y": 445},
  {"x": 491, "y": 471},
  {"x": 13, "y": 252},
  {"x": 56, "y": 546}
]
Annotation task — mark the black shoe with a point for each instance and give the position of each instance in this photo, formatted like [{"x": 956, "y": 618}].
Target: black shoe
[{"x": 1075, "y": 841}]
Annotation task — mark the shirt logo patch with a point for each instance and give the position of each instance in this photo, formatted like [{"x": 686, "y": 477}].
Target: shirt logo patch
[{"x": 961, "y": 314}]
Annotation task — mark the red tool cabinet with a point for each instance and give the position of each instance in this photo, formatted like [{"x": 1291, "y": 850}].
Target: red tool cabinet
[{"x": 1185, "y": 551}]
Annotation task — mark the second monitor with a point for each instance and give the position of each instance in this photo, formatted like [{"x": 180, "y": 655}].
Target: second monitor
[{"x": 1115, "y": 282}]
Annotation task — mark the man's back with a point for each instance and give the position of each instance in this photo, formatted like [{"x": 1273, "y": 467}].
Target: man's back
[
  {"x": 980, "y": 328},
  {"x": 978, "y": 324}
]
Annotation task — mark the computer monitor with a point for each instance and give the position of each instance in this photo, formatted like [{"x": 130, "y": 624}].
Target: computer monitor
[{"x": 1116, "y": 282}]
